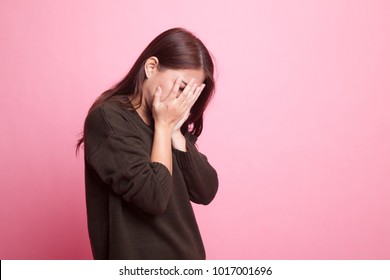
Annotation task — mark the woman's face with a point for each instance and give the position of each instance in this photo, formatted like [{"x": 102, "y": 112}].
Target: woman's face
[{"x": 165, "y": 79}]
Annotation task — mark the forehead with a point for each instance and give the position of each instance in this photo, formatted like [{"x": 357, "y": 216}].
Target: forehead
[{"x": 188, "y": 74}]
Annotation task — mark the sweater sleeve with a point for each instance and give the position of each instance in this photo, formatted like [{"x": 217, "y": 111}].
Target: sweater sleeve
[
  {"x": 200, "y": 177},
  {"x": 119, "y": 156}
]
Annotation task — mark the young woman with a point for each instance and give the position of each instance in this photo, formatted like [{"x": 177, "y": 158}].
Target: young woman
[{"x": 142, "y": 169}]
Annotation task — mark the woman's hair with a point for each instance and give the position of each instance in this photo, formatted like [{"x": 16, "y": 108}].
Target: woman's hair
[{"x": 175, "y": 48}]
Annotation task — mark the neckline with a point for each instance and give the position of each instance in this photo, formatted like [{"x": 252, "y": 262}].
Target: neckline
[{"x": 140, "y": 120}]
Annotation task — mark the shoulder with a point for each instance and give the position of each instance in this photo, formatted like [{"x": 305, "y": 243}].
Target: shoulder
[
  {"x": 108, "y": 120},
  {"x": 110, "y": 117}
]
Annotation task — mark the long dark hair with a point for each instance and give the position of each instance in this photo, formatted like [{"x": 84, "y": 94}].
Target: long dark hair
[{"x": 175, "y": 48}]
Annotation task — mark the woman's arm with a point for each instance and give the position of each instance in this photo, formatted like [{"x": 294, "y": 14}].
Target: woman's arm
[
  {"x": 118, "y": 154},
  {"x": 200, "y": 177}
]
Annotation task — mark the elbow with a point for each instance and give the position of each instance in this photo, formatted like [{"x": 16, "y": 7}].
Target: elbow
[
  {"x": 156, "y": 208},
  {"x": 155, "y": 200},
  {"x": 210, "y": 197},
  {"x": 153, "y": 194},
  {"x": 213, "y": 189},
  {"x": 206, "y": 199},
  {"x": 208, "y": 194}
]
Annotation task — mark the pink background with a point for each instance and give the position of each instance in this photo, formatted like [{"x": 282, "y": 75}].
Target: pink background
[{"x": 299, "y": 129}]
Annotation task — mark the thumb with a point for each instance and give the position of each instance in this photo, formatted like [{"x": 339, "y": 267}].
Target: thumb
[{"x": 157, "y": 97}]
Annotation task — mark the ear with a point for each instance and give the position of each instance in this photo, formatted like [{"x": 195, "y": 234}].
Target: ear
[{"x": 151, "y": 66}]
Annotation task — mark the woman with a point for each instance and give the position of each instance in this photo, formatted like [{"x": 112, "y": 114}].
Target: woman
[{"x": 142, "y": 168}]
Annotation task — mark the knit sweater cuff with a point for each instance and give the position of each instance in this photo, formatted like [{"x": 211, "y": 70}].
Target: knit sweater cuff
[{"x": 184, "y": 159}]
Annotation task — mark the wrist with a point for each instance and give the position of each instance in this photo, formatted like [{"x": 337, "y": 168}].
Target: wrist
[
  {"x": 165, "y": 127},
  {"x": 179, "y": 141}
]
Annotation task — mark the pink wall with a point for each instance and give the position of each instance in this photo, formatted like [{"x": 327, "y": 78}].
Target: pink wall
[{"x": 299, "y": 129}]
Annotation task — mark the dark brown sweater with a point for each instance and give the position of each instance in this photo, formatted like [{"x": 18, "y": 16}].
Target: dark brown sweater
[{"x": 136, "y": 209}]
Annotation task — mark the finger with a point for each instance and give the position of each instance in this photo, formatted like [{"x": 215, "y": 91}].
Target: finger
[
  {"x": 175, "y": 89},
  {"x": 200, "y": 89},
  {"x": 157, "y": 97},
  {"x": 188, "y": 90},
  {"x": 190, "y": 101},
  {"x": 197, "y": 94}
]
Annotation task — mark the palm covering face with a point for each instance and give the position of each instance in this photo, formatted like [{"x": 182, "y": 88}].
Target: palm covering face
[{"x": 174, "y": 110}]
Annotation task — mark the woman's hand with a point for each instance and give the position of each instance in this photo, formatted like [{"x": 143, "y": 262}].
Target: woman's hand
[
  {"x": 178, "y": 140},
  {"x": 186, "y": 114},
  {"x": 169, "y": 115},
  {"x": 173, "y": 111}
]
